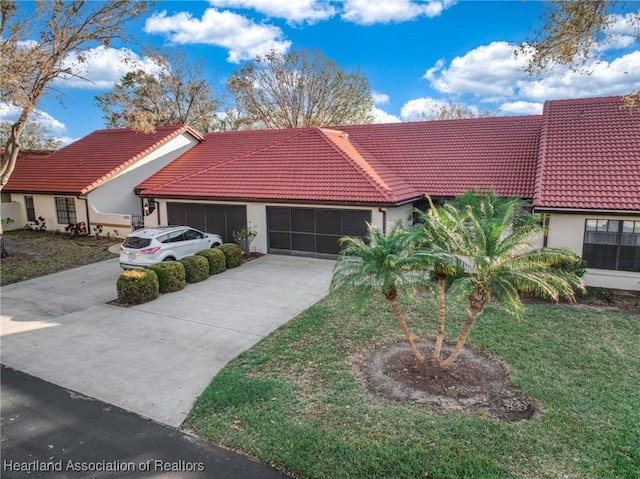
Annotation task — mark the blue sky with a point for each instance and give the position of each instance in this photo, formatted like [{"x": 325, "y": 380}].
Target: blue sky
[{"x": 416, "y": 54}]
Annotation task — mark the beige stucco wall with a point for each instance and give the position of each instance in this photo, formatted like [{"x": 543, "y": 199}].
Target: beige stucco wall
[
  {"x": 257, "y": 216},
  {"x": 116, "y": 196},
  {"x": 567, "y": 230},
  {"x": 45, "y": 206},
  {"x": 12, "y": 216}
]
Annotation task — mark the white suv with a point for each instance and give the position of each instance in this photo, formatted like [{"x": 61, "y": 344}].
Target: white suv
[{"x": 148, "y": 246}]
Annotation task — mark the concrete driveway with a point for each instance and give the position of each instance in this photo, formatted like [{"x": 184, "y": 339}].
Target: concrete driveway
[{"x": 156, "y": 358}]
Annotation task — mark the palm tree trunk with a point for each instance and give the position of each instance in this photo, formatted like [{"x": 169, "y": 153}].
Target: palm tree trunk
[
  {"x": 407, "y": 334},
  {"x": 441, "y": 317},
  {"x": 476, "y": 306}
]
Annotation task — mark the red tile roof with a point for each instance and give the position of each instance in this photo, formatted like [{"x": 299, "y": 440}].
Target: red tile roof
[
  {"x": 370, "y": 164},
  {"x": 306, "y": 164},
  {"x": 86, "y": 163},
  {"x": 590, "y": 156},
  {"x": 446, "y": 158}
]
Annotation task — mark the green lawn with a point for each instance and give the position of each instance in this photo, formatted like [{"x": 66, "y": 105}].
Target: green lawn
[
  {"x": 36, "y": 253},
  {"x": 294, "y": 401}
]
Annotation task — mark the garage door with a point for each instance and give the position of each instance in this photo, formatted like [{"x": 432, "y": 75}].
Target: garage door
[
  {"x": 313, "y": 231},
  {"x": 220, "y": 219}
]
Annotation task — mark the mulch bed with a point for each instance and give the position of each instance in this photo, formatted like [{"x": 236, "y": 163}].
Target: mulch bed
[{"x": 476, "y": 383}]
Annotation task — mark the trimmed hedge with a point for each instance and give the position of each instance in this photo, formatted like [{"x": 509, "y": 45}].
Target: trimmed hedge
[
  {"x": 137, "y": 286},
  {"x": 196, "y": 268},
  {"x": 171, "y": 276},
  {"x": 232, "y": 254},
  {"x": 217, "y": 261}
]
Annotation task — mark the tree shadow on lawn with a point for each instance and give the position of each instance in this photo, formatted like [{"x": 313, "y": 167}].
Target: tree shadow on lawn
[{"x": 476, "y": 383}]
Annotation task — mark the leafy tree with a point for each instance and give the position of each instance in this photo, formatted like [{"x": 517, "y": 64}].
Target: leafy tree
[
  {"x": 572, "y": 29},
  {"x": 34, "y": 136},
  {"x": 493, "y": 241},
  {"x": 34, "y": 51},
  {"x": 383, "y": 264},
  {"x": 176, "y": 94},
  {"x": 300, "y": 89}
]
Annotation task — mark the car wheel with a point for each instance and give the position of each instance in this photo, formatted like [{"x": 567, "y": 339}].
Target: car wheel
[
  {"x": 215, "y": 245},
  {"x": 169, "y": 258}
]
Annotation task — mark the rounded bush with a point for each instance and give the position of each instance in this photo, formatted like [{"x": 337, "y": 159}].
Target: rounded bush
[
  {"x": 137, "y": 286},
  {"x": 196, "y": 268},
  {"x": 217, "y": 261},
  {"x": 171, "y": 276},
  {"x": 232, "y": 254}
]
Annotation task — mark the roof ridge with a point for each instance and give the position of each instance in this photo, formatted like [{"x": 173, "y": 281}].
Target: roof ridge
[
  {"x": 542, "y": 150},
  {"x": 178, "y": 130},
  {"x": 363, "y": 165},
  {"x": 235, "y": 158}
]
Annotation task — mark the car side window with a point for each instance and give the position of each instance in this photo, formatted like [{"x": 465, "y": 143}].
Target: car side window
[
  {"x": 191, "y": 235},
  {"x": 175, "y": 237},
  {"x": 163, "y": 239}
]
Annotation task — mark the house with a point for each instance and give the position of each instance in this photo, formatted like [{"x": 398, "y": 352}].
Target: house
[
  {"x": 588, "y": 182},
  {"x": 92, "y": 180},
  {"x": 303, "y": 189}
]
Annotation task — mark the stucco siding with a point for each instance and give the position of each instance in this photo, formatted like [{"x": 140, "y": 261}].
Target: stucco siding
[
  {"x": 117, "y": 195},
  {"x": 567, "y": 230},
  {"x": 45, "y": 206},
  {"x": 257, "y": 216}
]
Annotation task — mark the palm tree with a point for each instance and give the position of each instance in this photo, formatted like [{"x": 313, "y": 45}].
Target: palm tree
[
  {"x": 494, "y": 242},
  {"x": 437, "y": 232},
  {"x": 382, "y": 263}
]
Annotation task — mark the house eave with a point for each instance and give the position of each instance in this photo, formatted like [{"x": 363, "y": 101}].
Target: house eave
[
  {"x": 281, "y": 200},
  {"x": 547, "y": 209}
]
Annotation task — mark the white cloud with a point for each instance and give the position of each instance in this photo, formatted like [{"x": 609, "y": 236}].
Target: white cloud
[
  {"x": 492, "y": 73},
  {"x": 368, "y": 12},
  {"x": 619, "y": 77},
  {"x": 243, "y": 38},
  {"x": 11, "y": 113},
  {"x": 521, "y": 108},
  {"x": 102, "y": 67},
  {"x": 420, "y": 108},
  {"x": 298, "y": 11},
  {"x": 380, "y": 98},
  {"x": 489, "y": 70},
  {"x": 52, "y": 126},
  {"x": 381, "y": 116},
  {"x": 623, "y": 31}
]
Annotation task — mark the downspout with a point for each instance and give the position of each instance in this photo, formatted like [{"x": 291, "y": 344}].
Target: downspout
[
  {"x": 384, "y": 219},
  {"x": 545, "y": 230},
  {"x": 86, "y": 208}
]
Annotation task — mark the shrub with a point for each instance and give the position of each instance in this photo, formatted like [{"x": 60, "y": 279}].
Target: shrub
[
  {"x": 232, "y": 254},
  {"x": 245, "y": 236},
  {"x": 216, "y": 259},
  {"x": 171, "y": 276},
  {"x": 196, "y": 268},
  {"x": 137, "y": 286},
  {"x": 76, "y": 229}
]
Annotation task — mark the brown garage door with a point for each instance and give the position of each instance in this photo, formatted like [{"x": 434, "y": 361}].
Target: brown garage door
[
  {"x": 220, "y": 219},
  {"x": 313, "y": 231}
]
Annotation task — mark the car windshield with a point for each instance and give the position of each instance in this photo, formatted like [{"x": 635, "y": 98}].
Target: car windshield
[{"x": 135, "y": 242}]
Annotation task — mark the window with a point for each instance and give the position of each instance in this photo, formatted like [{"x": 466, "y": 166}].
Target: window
[
  {"x": 31, "y": 211},
  {"x": 66, "y": 210},
  {"x": 612, "y": 244}
]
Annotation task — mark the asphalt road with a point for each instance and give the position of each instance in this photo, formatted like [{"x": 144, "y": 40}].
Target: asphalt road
[{"x": 51, "y": 432}]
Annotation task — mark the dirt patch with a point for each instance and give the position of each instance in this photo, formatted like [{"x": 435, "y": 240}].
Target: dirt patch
[
  {"x": 600, "y": 300},
  {"x": 476, "y": 383}
]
